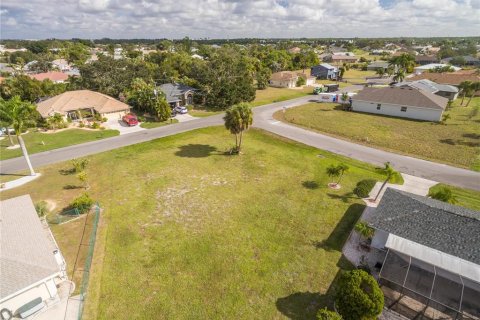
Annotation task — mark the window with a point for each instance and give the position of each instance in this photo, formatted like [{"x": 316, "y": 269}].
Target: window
[
  {"x": 403, "y": 109},
  {"x": 379, "y": 106}
]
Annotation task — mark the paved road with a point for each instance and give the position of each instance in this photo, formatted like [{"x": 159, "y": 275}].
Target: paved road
[{"x": 263, "y": 119}]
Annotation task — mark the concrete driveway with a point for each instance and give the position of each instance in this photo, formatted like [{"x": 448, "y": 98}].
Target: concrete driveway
[
  {"x": 184, "y": 117},
  {"x": 117, "y": 124}
]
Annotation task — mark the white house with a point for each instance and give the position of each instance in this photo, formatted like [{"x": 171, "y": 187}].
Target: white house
[
  {"x": 288, "y": 79},
  {"x": 62, "y": 65},
  {"x": 404, "y": 102},
  {"x": 31, "y": 264},
  {"x": 430, "y": 66}
]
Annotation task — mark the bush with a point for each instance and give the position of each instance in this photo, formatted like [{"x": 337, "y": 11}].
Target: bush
[
  {"x": 97, "y": 117},
  {"x": 82, "y": 203},
  {"x": 301, "y": 81},
  {"x": 81, "y": 125},
  {"x": 358, "y": 296},
  {"x": 444, "y": 194},
  {"x": 104, "y": 119},
  {"x": 324, "y": 314},
  {"x": 364, "y": 187},
  {"x": 41, "y": 208},
  {"x": 102, "y": 128},
  {"x": 80, "y": 164},
  {"x": 95, "y": 125}
]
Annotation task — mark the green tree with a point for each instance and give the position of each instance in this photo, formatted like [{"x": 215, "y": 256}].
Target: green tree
[
  {"x": 56, "y": 121},
  {"x": 390, "y": 173},
  {"x": 445, "y": 117},
  {"x": 144, "y": 97},
  {"x": 405, "y": 62},
  {"x": 399, "y": 75},
  {"x": 465, "y": 88},
  {"x": 358, "y": 296},
  {"x": 263, "y": 76},
  {"x": 324, "y": 314},
  {"x": 83, "y": 177},
  {"x": 345, "y": 98},
  {"x": 474, "y": 87},
  {"x": 337, "y": 171},
  {"x": 20, "y": 115},
  {"x": 238, "y": 119},
  {"x": 300, "y": 81},
  {"x": 380, "y": 72},
  {"x": 341, "y": 72},
  {"x": 444, "y": 194},
  {"x": 364, "y": 230}
]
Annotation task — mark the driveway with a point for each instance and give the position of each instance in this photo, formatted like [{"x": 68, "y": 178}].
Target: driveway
[
  {"x": 184, "y": 117},
  {"x": 116, "y": 124}
]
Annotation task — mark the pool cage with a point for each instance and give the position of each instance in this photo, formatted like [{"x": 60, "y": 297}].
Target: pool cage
[{"x": 431, "y": 292}]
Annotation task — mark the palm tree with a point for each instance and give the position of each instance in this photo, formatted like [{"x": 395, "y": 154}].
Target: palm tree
[
  {"x": 404, "y": 61},
  {"x": 364, "y": 230},
  {"x": 474, "y": 87},
  {"x": 399, "y": 75},
  {"x": 380, "y": 72},
  {"x": 465, "y": 87},
  {"x": 344, "y": 97},
  {"x": 238, "y": 118},
  {"x": 337, "y": 171},
  {"x": 20, "y": 115},
  {"x": 445, "y": 117},
  {"x": 390, "y": 172}
]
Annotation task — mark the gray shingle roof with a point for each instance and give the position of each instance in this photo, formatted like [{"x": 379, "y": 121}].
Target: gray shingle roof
[
  {"x": 26, "y": 254},
  {"x": 173, "y": 91},
  {"x": 404, "y": 96},
  {"x": 430, "y": 86},
  {"x": 451, "y": 229}
]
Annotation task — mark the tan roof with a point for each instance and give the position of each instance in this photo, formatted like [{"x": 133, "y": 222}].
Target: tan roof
[
  {"x": 288, "y": 75},
  {"x": 404, "y": 96},
  {"x": 80, "y": 99},
  {"x": 452, "y": 78},
  {"x": 26, "y": 252},
  {"x": 53, "y": 75}
]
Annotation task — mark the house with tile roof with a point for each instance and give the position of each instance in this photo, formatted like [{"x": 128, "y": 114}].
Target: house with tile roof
[
  {"x": 450, "y": 78},
  {"x": 288, "y": 79},
  {"x": 54, "y": 76},
  {"x": 31, "y": 265},
  {"x": 442, "y": 90},
  {"x": 432, "y": 254},
  {"x": 404, "y": 102}
]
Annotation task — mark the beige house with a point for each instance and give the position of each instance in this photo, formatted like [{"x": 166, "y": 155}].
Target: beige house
[
  {"x": 31, "y": 265},
  {"x": 288, "y": 79},
  {"x": 79, "y": 104}
]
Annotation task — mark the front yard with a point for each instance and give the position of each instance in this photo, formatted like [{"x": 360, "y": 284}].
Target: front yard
[
  {"x": 271, "y": 95},
  {"x": 39, "y": 142},
  {"x": 456, "y": 143},
  {"x": 192, "y": 233}
]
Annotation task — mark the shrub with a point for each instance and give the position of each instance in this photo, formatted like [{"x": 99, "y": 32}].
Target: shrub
[
  {"x": 301, "y": 81},
  {"x": 104, "y": 119},
  {"x": 41, "y": 208},
  {"x": 80, "y": 164},
  {"x": 81, "y": 125},
  {"x": 95, "y": 125},
  {"x": 324, "y": 314},
  {"x": 83, "y": 203},
  {"x": 358, "y": 296},
  {"x": 102, "y": 128},
  {"x": 444, "y": 194},
  {"x": 364, "y": 187},
  {"x": 97, "y": 117}
]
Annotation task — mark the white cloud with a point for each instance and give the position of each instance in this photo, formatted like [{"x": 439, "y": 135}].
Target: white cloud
[{"x": 238, "y": 18}]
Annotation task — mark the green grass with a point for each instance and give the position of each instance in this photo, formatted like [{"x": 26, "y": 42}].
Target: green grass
[
  {"x": 189, "y": 232},
  {"x": 271, "y": 95},
  {"x": 202, "y": 113},
  {"x": 156, "y": 124},
  {"x": 456, "y": 143},
  {"x": 465, "y": 197},
  {"x": 39, "y": 142}
]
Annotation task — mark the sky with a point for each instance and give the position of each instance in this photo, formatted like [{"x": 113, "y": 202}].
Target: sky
[{"x": 173, "y": 19}]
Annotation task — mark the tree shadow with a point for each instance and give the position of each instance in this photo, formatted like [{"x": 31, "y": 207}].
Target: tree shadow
[
  {"x": 71, "y": 187},
  {"x": 471, "y": 135},
  {"x": 195, "y": 151},
  {"x": 310, "y": 184},
  {"x": 461, "y": 142},
  {"x": 337, "y": 238},
  {"x": 66, "y": 172},
  {"x": 344, "y": 198}
]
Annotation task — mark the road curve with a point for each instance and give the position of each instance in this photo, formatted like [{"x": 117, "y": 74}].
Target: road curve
[{"x": 263, "y": 119}]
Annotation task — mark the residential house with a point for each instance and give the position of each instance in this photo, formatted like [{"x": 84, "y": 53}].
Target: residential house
[
  {"x": 450, "y": 78},
  {"x": 443, "y": 90},
  {"x": 288, "y": 79},
  {"x": 432, "y": 66},
  {"x": 425, "y": 59},
  {"x": 31, "y": 264},
  {"x": 54, "y": 76},
  {"x": 375, "y": 65},
  {"x": 178, "y": 94},
  {"x": 295, "y": 50},
  {"x": 62, "y": 65},
  {"x": 6, "y": 68},
  {"x": 404, "y": 102},
  {"x": 341, "y": 57},
  {"x": 118, "y": 53},
  {"x": 431, "y": 263},
  {"x": 379, "y": 52},
  {"x": 80, "y": 104},
  {"x": 325, "y": 71},
  {"x": 469, "y": 60}
]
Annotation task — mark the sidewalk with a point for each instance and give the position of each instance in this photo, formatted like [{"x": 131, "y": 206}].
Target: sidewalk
[{"x": 18, "y": 182}]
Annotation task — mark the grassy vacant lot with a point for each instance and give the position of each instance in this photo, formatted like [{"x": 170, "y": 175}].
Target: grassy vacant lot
[
  {"x": 271, "y": 95},
  {"x": 465, "y": 197},
  {"x": 39, "y": 142},
  {"x": 192, "y": 233},
  {"x": 156, "y": 124},
  {"x": 357, "y": 76},
  {"x": 456, "y": 143}
]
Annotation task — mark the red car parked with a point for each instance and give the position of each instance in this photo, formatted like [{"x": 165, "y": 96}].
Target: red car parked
[{"x": 130, "y": 119}]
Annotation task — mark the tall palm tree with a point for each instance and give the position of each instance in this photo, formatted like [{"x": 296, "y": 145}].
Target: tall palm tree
[
  {"x": 389, "y": 172},
  {"x": 474, "y": 87},
  {"x": 399, "y": 75},
  {"x": 238, "y": 118},
  {"x": 337, "y": 171},
  {"x": 20, "y": 115},
  {"x": 465, "y": 87}
]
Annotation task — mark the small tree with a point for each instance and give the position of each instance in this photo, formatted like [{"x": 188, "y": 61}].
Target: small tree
[
  {"x": 445, "y": 117},
  {"x": 444, "y": 194},
  {"x": 399, "y": 75},
  {"x": 364, "y": 230},
  {"x": 344, "y": 98},
  {"x": 80, "y": 165},
  {"x": 390, "y": 173},
  {"x": 324, "y": 314},
  {"x": 337, "y": 171},
  {"x": 380, "y": 72},
  {"x": 238, "y": 119},
  {"x": 474, "y": 87},
  {"x": 301, "y": 81},
  {"x": 358, "y": 296},
  {"x": 41, "y": 208},
  {"x": 83, "y": 177},
  {"x": 465, "y": 88}
]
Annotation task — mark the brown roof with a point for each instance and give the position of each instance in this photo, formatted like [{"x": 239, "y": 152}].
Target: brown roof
[
  {"x": 80, "y": 99},
  {"x": 288, "y": 75},
  {"x": 53, "y": 75},
  {"x": 405, "y": 96},
  {"x": 451, "y": 78},
  {"x": 425, "y": 58}
]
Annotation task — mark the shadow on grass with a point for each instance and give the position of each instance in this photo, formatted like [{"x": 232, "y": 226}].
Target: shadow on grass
[
  {"x": 13, "y": 175},
  {"x": 71, "y": 187},
  {"x": 195, "y": 151},
  {"x": 305, "y": 305},
  {"x": 471, "y": 135},
  {"x": 461, "y": 142},
  {"x": 339, "y": 235},
  {"x": 66, "y": 172},
  {"x": 310, "y": 184},
  {"x": 344, "y": 198}
]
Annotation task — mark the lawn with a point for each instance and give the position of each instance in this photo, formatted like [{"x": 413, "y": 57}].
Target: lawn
[
  {"x": 192, "y": 233},
  {"x": 39, "y": 142},
  {"x": 202, "y": 112},
  {"x": 357, "y": 76},
  {"x": 271, "y": 95},
  {"x": 456, "y": 143},
  {"x": 465, "y": 197},
  {"x": 156, "y": 124}
]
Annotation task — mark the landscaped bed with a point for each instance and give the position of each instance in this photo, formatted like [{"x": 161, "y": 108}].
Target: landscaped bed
[
  {"x": 455, "y": 143},
  {"x": 39, "y": 142},
  {"x": 191, "y": 232}
]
